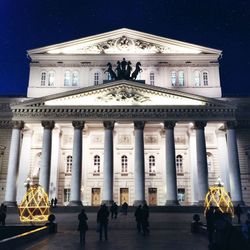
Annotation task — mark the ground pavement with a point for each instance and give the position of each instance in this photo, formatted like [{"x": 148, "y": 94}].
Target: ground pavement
[{"x": 167, "y": 231}]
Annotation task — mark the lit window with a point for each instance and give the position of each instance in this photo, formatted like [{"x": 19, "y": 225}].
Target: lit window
[
  {"x": 68, "y": 164},
  {"x": 181, "y": 78},
  {"x": 96, "y": 78},
  {"x": 205, "y": 78},
  {"x": 66, "y": 194},
  {"x": 51, "y": 78},
  {"x": 97, "y": 164},
  {"x": 179, "y": 164},
  {"x": 151, "y": 164},
  {"x": 67, "y": 78},
  {"x": 152, "y": 79},
  {"x": 43, "y": 79},
  {"x": 197, "y": 78},
  {"x": 173, "y": 78},
  {"x": 124, "y": 162},
  {"x": 75, "y": 78}
]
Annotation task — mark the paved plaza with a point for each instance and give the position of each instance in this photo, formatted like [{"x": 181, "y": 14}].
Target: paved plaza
[{"x": 167, "y": 231}]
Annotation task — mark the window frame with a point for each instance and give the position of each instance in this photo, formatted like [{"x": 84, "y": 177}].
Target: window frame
[
  {"x": 179, "y": 164},
  {"x": 152, "y": 78},
  {"x": 68, "y": 164},
  {"x": 152, "y": 165},
  {"x": 124, "y": 164},
  {"x": 97, "y": 164}
]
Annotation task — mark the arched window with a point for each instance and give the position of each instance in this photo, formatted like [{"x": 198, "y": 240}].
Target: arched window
[
  {"x": 152, "y": 78},
  {"x": 173, "y": 78},
  {"x": 75, "y": 78},
  {"x": 51, "y": 78},
  {"x": 179, "y": 164},
  {"x": 68, "y": 164},
  {"x": 197, "y": 81},
  {"x": 210, "y": 162},
  {"x": 151, "y": 164},
  {"x": 124, "y": 163},
  {"x": 97, "y": 163},
  {"x": 43, "y": 78},
  {"x": 205, "y": 78},
  {"x": 96, "y": 78},
  {"x": 181, "y": 78},
  {"x": 67, "y": 78}
]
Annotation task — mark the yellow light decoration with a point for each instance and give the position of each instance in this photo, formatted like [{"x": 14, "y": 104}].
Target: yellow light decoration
[
  {"x": 35, "y": 205},
  {"x": 217, "y": 196}
]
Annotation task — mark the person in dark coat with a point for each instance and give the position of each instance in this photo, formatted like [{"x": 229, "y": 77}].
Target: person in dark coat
[
  {"x": 144, "y": 219},
  {"x": 3, "y": 213},
  {"x": 138, "y": 213},
  {"x": 210, "y": 224},
  {"x": 83, "y": 225},
  {"x": 238, "y": 211},
  {"x": 114, "y": 210},
  {"x": 102, "y": 219},
  {"x": 55, "y": 202},
  {"x": 125, "y": 208}
]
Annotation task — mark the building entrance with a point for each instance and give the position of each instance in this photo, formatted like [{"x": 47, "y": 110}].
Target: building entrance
[
  {"x": 124, "y": 195},
  {"x": 152, "y": 196},
  {"x": 96, "y": 197}
]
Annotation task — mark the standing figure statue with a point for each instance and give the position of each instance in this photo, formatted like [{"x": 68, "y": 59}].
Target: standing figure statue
[
  {"x": 136, "y": 71},
  {"x": 110, "y": 71},
  {"x": 118, "y": 70},
  {"x": 123, "y": 67},
  {"x": 128, "y": 71}
]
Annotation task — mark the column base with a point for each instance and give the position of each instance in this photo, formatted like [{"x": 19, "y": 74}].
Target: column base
[
  {"x": 75, "y": 203},
  {"x": 107, "y": 202},
  {"x": 10, "y": 203},
  {"x": 139, "y": 202},
  {"x": 172, "y": 203}
]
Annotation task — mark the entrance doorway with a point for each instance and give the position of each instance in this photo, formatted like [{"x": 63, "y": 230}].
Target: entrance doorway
[
  {"x": 152, "y": 196},
  {"x": 96, "y": 197},
  {"x": 124, "y": 195}
]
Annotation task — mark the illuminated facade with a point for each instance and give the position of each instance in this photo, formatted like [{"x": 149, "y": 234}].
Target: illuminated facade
[{"x": 164, "y": 138}]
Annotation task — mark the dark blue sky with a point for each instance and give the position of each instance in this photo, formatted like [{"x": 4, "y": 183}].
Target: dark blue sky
[{"x": 29, "y": 24}]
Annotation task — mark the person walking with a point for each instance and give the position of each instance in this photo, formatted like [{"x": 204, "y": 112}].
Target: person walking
[
  {"x": 3, "y": 212},
  {"x": 82, "y": 225},
  {"x": 138, "y": 213},
  {"x": 125, "y": 208},
  {"x": 102, "y": 220},
  {"x": 144, "y": 219},
  {"x": 238, "y": 212},
  {"x": 114, "y": 210}
]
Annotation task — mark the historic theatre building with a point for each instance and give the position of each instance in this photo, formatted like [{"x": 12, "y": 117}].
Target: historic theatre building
[{"x": 124, "y": 116}]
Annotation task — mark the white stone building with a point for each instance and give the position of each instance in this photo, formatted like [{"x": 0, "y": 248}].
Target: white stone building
[{"x": 162, "y": 138}]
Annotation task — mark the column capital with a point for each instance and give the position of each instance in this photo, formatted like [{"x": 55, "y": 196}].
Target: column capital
[
  {"x": 169, "y": 124},
  {"x": 139, "y": 124},
  {"x": 200, "y": 124},
  {"x": 78, "y": 124},
  {"x": 231, "y": 124},
  {"x": 18, "y": 124},
  {"x": 48, "y": 124},
  {"x": 109, "y": 124}
]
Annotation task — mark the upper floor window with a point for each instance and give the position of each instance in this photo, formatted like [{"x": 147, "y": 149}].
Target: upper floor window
[
  {"x": 151, "y": 164},
  {"x": 43, "y": 78},
  {"x": 179, "y": 164},
  {"x": 209, "y": 162},
  {"x": 66, "y": 194},
  {"x": 68, "y": 164},
  {"x": 197, "y": 80},
  {"x": 177, "y": 78},
  {"x": 71, "y": 78},
  {"x": 205, "y": 78},
  {"x": 48, "y": 79},
  {"x": 124, "y": 163},
  {"x": 152, "y": 78},
  {"x": 96, "y": 78},
  {"x": 67, "y": 79},
  {"x": 97, "y": 163}
]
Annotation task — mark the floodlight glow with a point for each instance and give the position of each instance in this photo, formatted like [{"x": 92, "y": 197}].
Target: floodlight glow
[
  {"x": 35, "y": 205},
  {"x": 217, "y": 196}
]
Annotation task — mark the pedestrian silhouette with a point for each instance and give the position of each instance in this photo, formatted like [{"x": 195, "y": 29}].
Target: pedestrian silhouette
[
  {"x": 3, "y": 213},
  {"x": 238, "y": 211},
  {"x": 210, "y": 223},
  {"x": 102, "y": 220},
  {"x": 55, "y": 202},
  {"x": 144, "y": 219},
  {"x": 82, "y": 225},
  {"x": 52, "y": 202},
  {"x": 138, "y": 218},
  {"x": 114, "y": 210},
  {"x": 125, "y": 208}
]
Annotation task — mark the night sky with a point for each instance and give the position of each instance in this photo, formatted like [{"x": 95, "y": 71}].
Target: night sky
[{"x": 29, "y": 24}]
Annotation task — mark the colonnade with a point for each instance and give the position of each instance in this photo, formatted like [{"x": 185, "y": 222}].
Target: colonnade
[{"x": 139, "y": 164}]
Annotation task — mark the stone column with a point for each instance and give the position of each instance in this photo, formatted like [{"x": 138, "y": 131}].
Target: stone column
[
  {"x": 202, "y": 171},
  {"x": 76, "y": 174},
  {"x": 10, "y": 194},
  {"x": 44, "y": 176},
  {"x": 234, "y": 165},
  {"x": 108, "y": 164},
  {"x": 139, "y": 164},
  {"x": 171, "y": 182}
]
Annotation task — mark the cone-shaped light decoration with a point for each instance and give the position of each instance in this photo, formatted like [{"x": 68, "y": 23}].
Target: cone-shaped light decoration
[{"x": 35, "y": 205}]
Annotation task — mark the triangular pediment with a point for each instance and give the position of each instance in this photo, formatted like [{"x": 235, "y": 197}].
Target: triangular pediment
[
  {"x": 122, "y": 93},
  {"x": 124, "y": 41}
]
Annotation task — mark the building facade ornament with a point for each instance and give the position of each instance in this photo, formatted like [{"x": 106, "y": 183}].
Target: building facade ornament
[
  {"x": 18, "y": 124},
  {"x": 231, "y": 124},
  {"x": 139, "y": 124},
  {"x": 200, "y": 124},
  {"x": 109, "y": 124},
  {"x": 78, "y": 124},
  {"x": 48, "y": 124},
  {"x": 169, "y": 124}
]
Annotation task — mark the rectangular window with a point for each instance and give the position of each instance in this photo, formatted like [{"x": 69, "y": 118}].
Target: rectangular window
[
  {"x": 181, "y": 78},
  {"x": 96, "y": 78},
  {"x": 66, "y": 194},
  {"x": 173, "y": 78},
  {"x": 51, "y": 79},
  {"x": 181, "y": 194},
  {"x": 152, "y": 78}
]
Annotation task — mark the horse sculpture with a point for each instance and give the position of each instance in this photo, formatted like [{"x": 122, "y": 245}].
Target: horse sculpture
[
  {"x": 136, "y": 71},
  {"x": 111, "y": 72}
]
